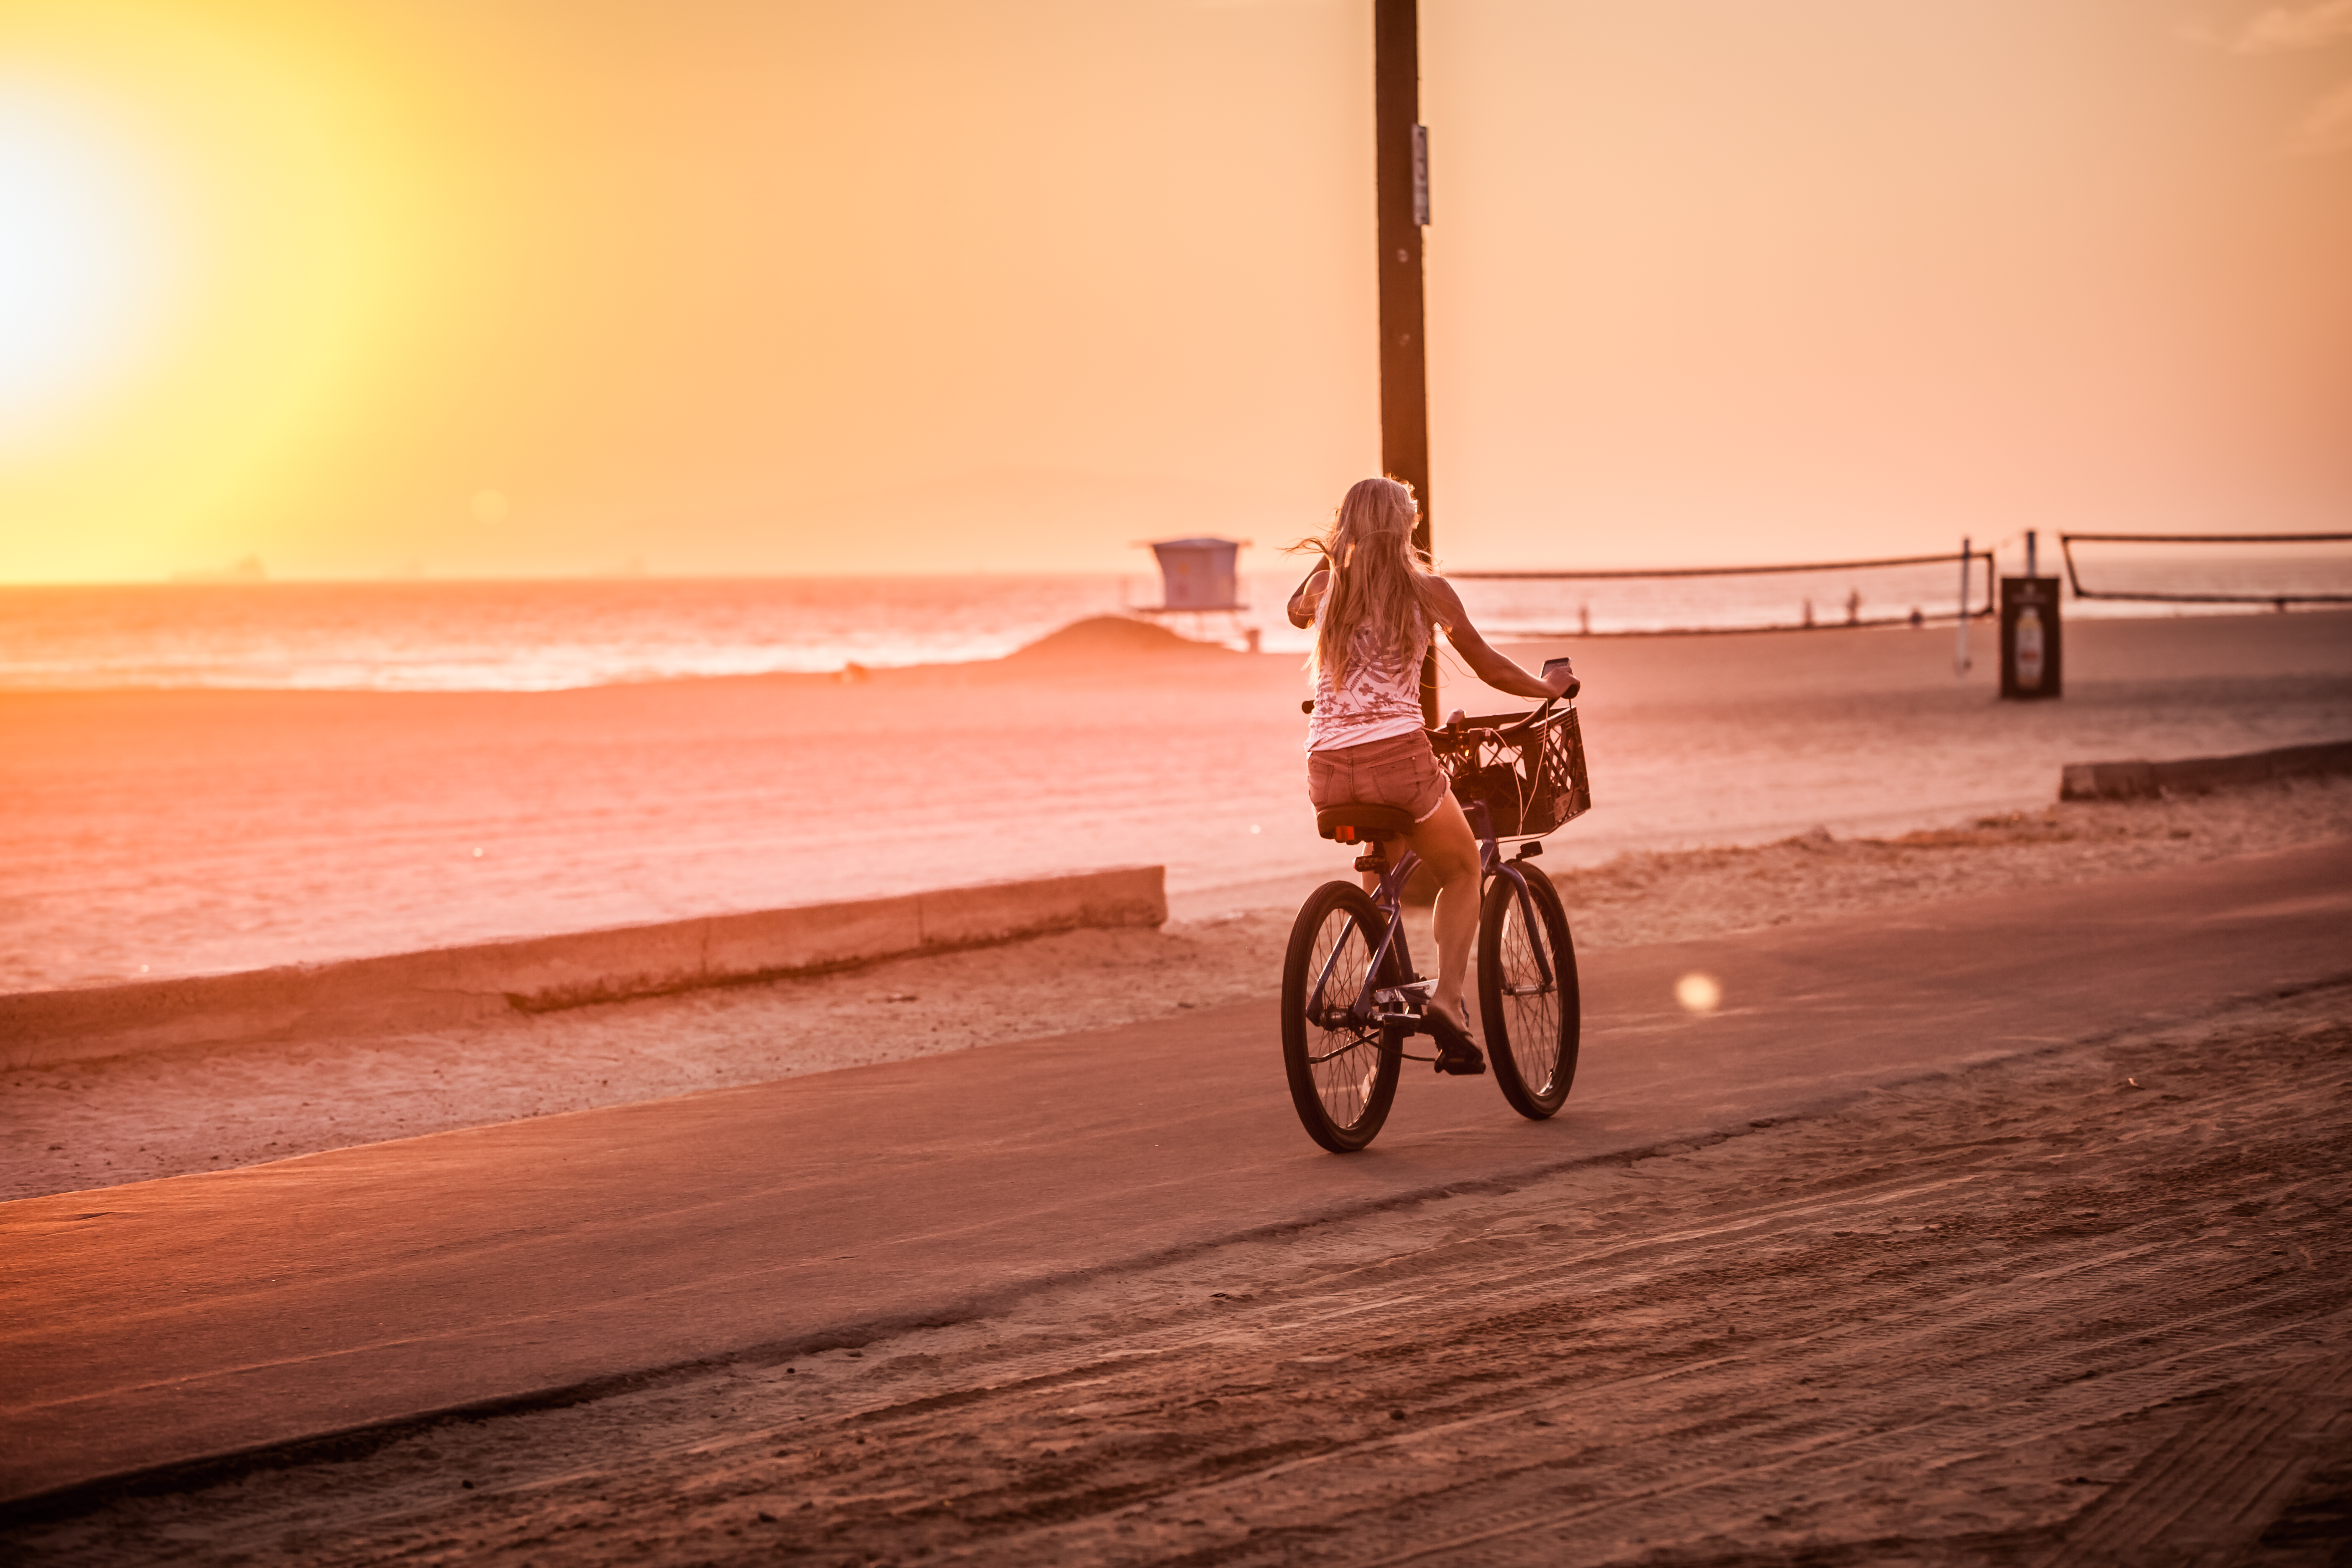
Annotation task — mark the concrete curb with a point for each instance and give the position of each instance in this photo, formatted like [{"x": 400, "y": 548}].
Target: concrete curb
[
  {"x": 449, "y": 985},
  {"x": 2195, "y": 776}
]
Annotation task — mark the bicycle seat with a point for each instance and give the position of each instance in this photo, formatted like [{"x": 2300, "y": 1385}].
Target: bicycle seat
[{"x": 1362, "y": 824}]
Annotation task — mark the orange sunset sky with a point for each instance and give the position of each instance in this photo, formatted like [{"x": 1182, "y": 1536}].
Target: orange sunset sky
[{"x": 514, "y": 287}]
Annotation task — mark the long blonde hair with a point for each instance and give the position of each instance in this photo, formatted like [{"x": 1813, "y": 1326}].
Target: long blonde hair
[{"x": 1377, "y": 576}]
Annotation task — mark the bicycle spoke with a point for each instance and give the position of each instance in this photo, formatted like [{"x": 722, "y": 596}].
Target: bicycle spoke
[
  {"x": 1314, "y": 1007},
  {"x": 1528, "y": 981},
  {"x": 1342, "y": 1050},
  {"x": 1340, "y": 1075}
]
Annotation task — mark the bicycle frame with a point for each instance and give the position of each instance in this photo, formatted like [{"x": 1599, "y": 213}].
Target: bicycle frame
[{"x": 1389, "y": 899}]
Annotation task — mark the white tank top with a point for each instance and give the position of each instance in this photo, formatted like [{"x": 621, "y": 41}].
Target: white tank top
[{"x": 1381, "y": 698}]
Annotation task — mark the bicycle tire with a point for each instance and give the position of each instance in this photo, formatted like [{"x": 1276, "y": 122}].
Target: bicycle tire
[
  {"x": 1341, "y": 1080},
  {"x": 1532, "y": 1028}
]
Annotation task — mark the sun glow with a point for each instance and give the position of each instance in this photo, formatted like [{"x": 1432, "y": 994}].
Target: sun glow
[
  {"x": 84, "y": 270},
  {"x": 205, "y": 239}
]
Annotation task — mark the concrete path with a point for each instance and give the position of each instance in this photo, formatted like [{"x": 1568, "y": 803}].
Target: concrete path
[{"x": 167, "y": 1322}]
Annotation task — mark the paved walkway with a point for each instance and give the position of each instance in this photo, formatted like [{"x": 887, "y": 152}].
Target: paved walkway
[{"x": 166, "y": 1321}]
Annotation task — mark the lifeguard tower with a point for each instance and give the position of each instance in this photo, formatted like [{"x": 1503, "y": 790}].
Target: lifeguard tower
[{"x": 1197, "y": 578}]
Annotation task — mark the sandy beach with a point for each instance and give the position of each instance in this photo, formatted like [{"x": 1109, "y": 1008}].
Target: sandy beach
[
  {"x": 1987, "y": 1316},
  {"x": 198, "y": 831},
  {"x": 2087, "y": 1304}
]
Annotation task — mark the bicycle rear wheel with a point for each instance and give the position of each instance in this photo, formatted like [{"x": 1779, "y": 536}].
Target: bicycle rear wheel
[
  {"x": 1528, "y": 995},
  {"x": 1341, "y": 1081}
]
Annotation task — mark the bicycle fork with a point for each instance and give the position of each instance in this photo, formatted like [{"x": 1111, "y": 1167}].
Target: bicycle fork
[{"x": 1493, "y": 864}]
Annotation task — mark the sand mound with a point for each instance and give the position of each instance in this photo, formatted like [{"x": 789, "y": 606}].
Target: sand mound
[{"x": 1112, "y": 636}]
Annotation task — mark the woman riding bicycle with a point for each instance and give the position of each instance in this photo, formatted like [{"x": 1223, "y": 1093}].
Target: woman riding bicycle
[{"x": 1378, "y": 605}]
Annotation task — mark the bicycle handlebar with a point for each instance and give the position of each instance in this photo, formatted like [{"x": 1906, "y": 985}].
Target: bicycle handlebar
[
  {"x": 1448, "y": 728},
  {"x": 1532, "y": 719},
  {"x": 1528, "y": 722}
]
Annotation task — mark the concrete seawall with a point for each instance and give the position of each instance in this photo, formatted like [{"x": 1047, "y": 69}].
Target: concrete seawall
[
  {"x": 460, "y": 984},
  {"x": 2195, "y": 776}
]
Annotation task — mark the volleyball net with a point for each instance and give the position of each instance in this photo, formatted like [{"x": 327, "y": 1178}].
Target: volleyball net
[
  {"x": 2273, "y": 569},
  {"x": 1888, "y": 590}
]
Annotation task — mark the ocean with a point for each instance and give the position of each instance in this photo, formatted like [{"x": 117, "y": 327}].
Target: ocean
[{"x": 555, "y": 635}]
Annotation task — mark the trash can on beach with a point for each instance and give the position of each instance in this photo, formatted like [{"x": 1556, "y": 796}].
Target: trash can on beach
[{"x": 2031, "y": 661}]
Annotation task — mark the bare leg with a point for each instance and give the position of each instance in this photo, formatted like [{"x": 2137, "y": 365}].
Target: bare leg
[{"x": 1448, "y": 847}]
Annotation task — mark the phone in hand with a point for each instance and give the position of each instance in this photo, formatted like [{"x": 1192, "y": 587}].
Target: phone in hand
[{"x": 1563, "y": 667}]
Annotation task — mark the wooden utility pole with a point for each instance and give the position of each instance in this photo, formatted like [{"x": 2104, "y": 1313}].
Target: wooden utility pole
[{"x": 1402, "y": 165}]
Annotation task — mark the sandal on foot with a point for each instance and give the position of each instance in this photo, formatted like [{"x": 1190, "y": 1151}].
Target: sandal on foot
[{"x": 1457, "y": 1053}]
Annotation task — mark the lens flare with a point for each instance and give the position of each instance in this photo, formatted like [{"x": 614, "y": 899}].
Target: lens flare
[{"x": 1698, "y": 992}]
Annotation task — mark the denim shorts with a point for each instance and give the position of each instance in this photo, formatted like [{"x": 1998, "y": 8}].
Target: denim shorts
[{"x": 1399, "y": 771}]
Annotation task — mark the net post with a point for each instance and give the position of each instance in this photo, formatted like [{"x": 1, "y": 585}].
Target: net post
[{"x": 1960, "y": 648}]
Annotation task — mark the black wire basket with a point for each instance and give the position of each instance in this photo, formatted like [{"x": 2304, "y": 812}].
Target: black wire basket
[{"x": 1531, "y": 781}]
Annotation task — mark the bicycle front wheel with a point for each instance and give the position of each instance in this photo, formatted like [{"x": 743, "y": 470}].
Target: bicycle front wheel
[
  {"x": 1341, "y": 1081},
  {"x": 1528, "y": 995}
]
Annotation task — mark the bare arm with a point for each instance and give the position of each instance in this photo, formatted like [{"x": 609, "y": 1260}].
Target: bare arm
[
  {"x": 1307, "y": 598},
  {"x": 1488, "y": 666}
]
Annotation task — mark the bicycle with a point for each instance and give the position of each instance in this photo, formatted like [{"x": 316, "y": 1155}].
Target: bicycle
[{"x": 1351, "y": 996}]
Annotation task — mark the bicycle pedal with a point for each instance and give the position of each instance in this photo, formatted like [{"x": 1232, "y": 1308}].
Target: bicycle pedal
[
  {"x": 1462, "y": 1064},
  {"x": 1457, "y": 1054}
]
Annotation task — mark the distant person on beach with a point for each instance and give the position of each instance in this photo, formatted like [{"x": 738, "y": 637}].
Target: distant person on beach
[{"x": 1375, "y": 606}]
